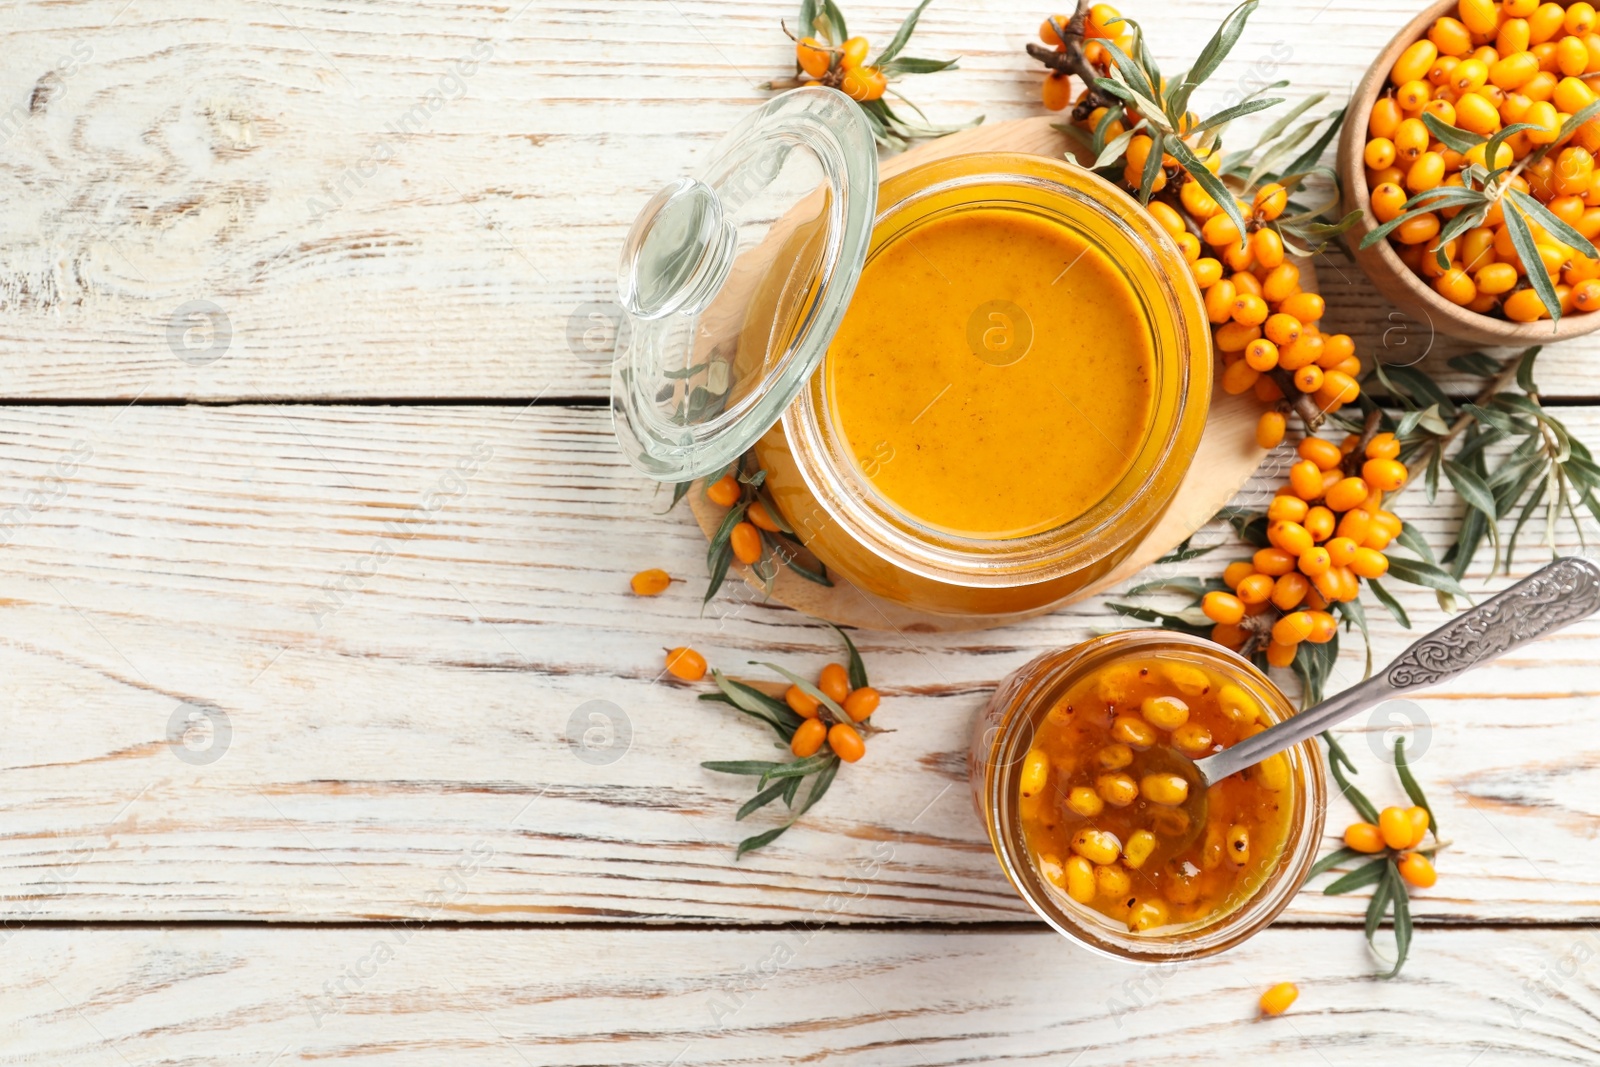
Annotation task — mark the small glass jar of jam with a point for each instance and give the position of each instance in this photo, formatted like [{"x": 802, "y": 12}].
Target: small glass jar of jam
[{"x": 1101, "y": 851}]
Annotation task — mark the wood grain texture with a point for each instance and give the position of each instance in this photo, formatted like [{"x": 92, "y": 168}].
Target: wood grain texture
[
  {"x": 428, "y": 200},
  {"x": 404, "y": 615},
  {"x": 396, "y": 997}
]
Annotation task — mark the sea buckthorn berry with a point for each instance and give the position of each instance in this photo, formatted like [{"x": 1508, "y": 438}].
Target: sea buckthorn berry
[
  {"x": 1248, "y": 309},
  {"x": 1055, "y": 92},
  {"x": 1468, "y": 75},
  {"x": 1112, "y": 882},
  {"x": 1141, "y": 843},
  {"x": 1081, "y": 885},
  {"x": 1385, "y": 475},
  {"x": 1306, "y": 307},
  {"x": 1308, "y": 379},
  {"x": 1096, "y": 846},
  {"x": 1363, "y": 837},
  {"x": 1450, "y": 37},
  {"x": 863, "y": 84},
  {"x": 1147, "y": 915},
  {"x": 1282, "y": 330},
  {"x": 1115, "y": 756},
  {"x": 1168, "y": 713},
  {"x": 1479, "y": 16},
  {"x": 650, "y": 583},
  {"x": 1354, "y": 525},
  {"x": 812, "y": 56},
  {"x": 1272, "y": 562},
  {"x": 725, "y": 491},
  {"x": 1524, "y": 305},
  {"x": 760, "y": 517},
  {"x": 1267, "y": 391},
  {"x": 1238, "y": 840},
  {"x": 1546, "y": 22},
  {"x": 845, "y": 742},
  {"x": 1418, "y": 870},
  {"x": 1256, "y": 589},
  {"x": 1325, "y": 454},
  {"x": 1291, "y": 537},
  {"x": 745, "y": 540},
  {"x": 861, "y": 703},
  {"x": 1476, "y": 115},
  {"x": 1050, "y": 30},
  {"x": 1189, "y": 245},
  {"x": 1314, "y": 562},
  {"x": 1418, "y": 229},
  {"x": 1085, "y": 801},
  {"x": 1388, "y": 200},
  {"x": 1580, "y": 18},
  {"x": 1276, "y": 1000},
  {"x": 834, "y": 681},
  {"x": 1192, "y": 738},
  {"x": 801, "y": 702},
  {"x": 1236, "y": 572},
  {"x": 1342, "y": 388},
  {"x": 1414, "y": 62},
  {"x": 1379, "y": 153},
  {"x": 1284, "y": 281},
  {"x": 1420, "y": 821},
  {"x": 1383, "y": 446},
  {"x": 1323, "y": 628},
  {"x": 1347, "y": 494},
  {"x": 1370, "y": 563},
  {"x": 1341, "y": 551},
  {"x": 1262, "y": 355},
  {"x": 1219, "y": 301},
  {"x": 1220, "y": 231},
  {"x": 1413, "y": 95},
  {"x": 1197, "y": 202},
  {"x": 1456, "y": 286},
  {"x": 1222, "y": 607},
  {"x": 1207, "y": 271},
  {"x": 1169, "y": 218},
  {"x": 1270, "y": 200},
  {"x": 1168, "y": 789},
  {"x": 853, "y": 52},
  {"x": 1292, "y": 628},
  {"x": 1266, "y": 247},
  {"x": 1286, "y": 508},
  {"x": 1133, "y": 731},
  {"x": 1384, "y": 118},
  {"x": 808, "y": 738},
  {"x": 1319, "y": 521},
  {"x": 1395, "y": 826},
  {"x": 1239, "y": 378},
  {"x": 1118, "y": 790},
  {"x": 686, "y": 664},
  {"x": 1586, "y": 295},
  {"x": 1305, "y": 478},
  {"x": 1289, "y": 591},
  {"x": 1425, "y": 173},
  {"x": 1237, "y": 704},
  {"x": 1495, "y": 278},
  {"x": 1229, "y": 636},
  {"x": 1516, "y": 68}
]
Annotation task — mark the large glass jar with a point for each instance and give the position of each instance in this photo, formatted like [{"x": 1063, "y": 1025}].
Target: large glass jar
[
  {"x": 1004, "y": 732},
  {"x": 748, "y": 332}
]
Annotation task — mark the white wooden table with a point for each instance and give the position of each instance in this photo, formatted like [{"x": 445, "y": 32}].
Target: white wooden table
[{"x": 300, "y": 442}]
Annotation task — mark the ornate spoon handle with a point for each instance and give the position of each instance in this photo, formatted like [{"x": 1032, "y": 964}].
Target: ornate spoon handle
[{"x": 1545, "y": 601}]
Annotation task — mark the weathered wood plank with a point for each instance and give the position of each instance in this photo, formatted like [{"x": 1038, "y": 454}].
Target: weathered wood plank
[
  {"x": 428, "y": 201},
  {"x": 552, "y": 997},
  {"x": 403, "y": 613}
]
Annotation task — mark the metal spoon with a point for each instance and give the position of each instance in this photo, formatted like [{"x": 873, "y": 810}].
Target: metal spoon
[{"x": 1545, "y": 601}]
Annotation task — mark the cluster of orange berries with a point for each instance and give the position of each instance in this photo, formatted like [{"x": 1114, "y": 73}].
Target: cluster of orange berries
[
  {"x": 817, "y": 730},
  {"x": 1261, "y": 319},
  {"x": 1518, "y": 61},
  {"x": 1326, "y": 531},
  {"x": 844, "y": 67},
  {"x": 1399, "y": 829},
  {"x": 1102, "y": 23},
  {"x": 745, "y": 538}
]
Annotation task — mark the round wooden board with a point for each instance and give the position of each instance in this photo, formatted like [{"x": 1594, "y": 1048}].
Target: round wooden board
[{"x": 1227, "y": 457}]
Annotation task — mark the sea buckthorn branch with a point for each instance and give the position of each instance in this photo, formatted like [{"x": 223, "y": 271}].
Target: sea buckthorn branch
[
  {"x": 821, "y": 724},
  {"x": 1480, "y": 159},
  {"x": 833, "y": 58},
  {"x": 1395, "y": 839},
  {"x": 752, "y": 531},
  {"x": 1138, "y": 127}
]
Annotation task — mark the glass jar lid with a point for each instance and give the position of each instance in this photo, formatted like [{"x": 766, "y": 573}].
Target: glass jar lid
[{"x": 733, "y": 281}]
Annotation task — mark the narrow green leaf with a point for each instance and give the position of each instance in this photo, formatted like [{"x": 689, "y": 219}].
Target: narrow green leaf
[
  {"x": 790, "y": 788},
  {"x": 903, "y": 35},
  {"x": 1528, "y": 252},
  {"x": 1548, "y": 219},
  {"x": 717, "y": 566},
  {"x": 856, "y": 670},
  {"x": 1454, "y": 137},
  {"x": 1411, "y": 539},
  {"x": 809, "y": 765},
  {"x": 1408, "y": 782},
  {"x": 1428, "y": 574},
  {"x": 1491, "y": 151},
  {"x": 1332, "y": 860},
  {"x": 912, "y": 65},
  {"x": 1472, "y": 488},
  {"x": 1208, "y": 181},
  {"x": 820, "y": 784},
  {"x": 1363, "y": 875},
  {"x": 1475, "y": 363},
  {"x": 1402, "y": 918},
  {"x": 1216, "y": 49},
  {"x": 1577, "y": 119},
  {"x": 809, "y": 689},
  {"x": 1227, "y": 115},
  {"x": 1310, "y": 156},
  {"x": 831, "y": 12},
  {"x": 750, "y": 844},
  {"x": 1364, "y": 807},
  {"x": 1353, "y": 611},
  {"x": 761, "y": 800},
  {"x": 1152, "y": 167},
  {"x": 1525, "y": 371},
  {"x": 1387, "y": 600},
  {"x": 1378, "y": 906},
  {"x": 740, "y": 766}
]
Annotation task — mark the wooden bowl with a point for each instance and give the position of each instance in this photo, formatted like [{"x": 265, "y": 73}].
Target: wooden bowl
[{"x": 1394, "y": 279}]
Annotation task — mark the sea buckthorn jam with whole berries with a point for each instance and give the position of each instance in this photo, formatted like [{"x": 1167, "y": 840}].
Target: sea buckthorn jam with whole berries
[
  {"x": 1508, "y": 76},
  {"x": 1117, "y": 840}
]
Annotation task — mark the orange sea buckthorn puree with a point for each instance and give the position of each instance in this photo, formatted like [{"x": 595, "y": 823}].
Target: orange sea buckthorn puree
[
  {"x": 993, "y": 376},
  {"x": 1099, "y": 832}
]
